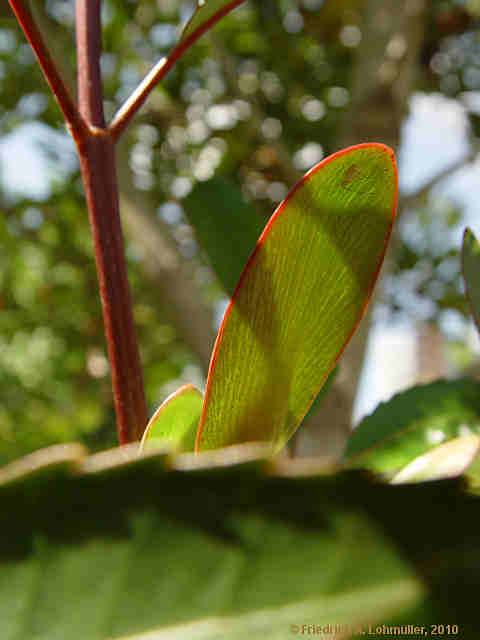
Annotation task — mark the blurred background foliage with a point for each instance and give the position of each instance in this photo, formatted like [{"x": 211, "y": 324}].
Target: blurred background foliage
[{"x": 268, "y": 93}]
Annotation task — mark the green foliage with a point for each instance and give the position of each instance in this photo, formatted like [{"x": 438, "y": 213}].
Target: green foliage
[
  {"x": 171, "y": 138},
  {"x": 55, "y": 383},
  {"x": 300, "y": 299},
  {"x": 312, "y": 271},
  {"x": 414, "y": 422},
  {"x": 58, "y": 398},
  {"x": 226, "y": 542},
  {"x": 217, "y": 547},
  {"x": 46, "y": 275}
]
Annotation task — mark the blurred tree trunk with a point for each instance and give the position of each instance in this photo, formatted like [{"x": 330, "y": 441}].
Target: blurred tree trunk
[
  {"x": 384, "y": 75},
  {"x": 431, "y": 358}
]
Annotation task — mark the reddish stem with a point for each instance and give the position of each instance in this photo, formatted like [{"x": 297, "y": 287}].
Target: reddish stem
[
  {"x": 126, "y": 112},
  {"x": 95, "y": 146},
  {"x": 89, "y": 49},
  {"x": 67, "y": 105},
  {"x": 97, "y": 161}
]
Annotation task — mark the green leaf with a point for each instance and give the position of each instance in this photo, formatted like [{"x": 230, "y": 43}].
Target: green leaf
[
  {"x": 207, "y": 13},
  {"x": 115, "y": 546},
  {"x": 226, "y": 225},
  {"x": 471, "y": 273},
  {"x": 414, "y": 422},
  {"x": 176, "y": 420},
  {"x": 300, "y": 298},
  {"x": 446, "y": 461}
]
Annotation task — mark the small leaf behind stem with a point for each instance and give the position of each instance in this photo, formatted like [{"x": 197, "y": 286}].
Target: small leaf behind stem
[{"x": 176, "y": 420}]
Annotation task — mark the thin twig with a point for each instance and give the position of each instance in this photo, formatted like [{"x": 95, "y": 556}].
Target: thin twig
[
  {"x": 89, "y": 45},
  {"x": 126, "y": 112},
  {"x": 98, "y": 165},
  {"x": 70, "y": 110},
  {"x": 411, "y": 199}
]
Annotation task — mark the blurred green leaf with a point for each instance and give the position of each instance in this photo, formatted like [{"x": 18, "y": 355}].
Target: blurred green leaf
[
  {"x": 300, "y": 299},
  {"x": 176, "y": 420},
  {"x": 471, "y": 273},
  {"x": 216, "y": 548},
  {"x": 226, "y": 225},
  {"x": 414, "y": 422}
]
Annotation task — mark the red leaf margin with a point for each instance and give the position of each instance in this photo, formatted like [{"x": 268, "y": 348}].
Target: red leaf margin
[{"x": 371, "y": 145}]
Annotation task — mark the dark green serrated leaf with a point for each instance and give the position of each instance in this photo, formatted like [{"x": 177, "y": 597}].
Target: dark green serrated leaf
[
  {"x": 116, "y": 546},
  {"x": 414, "y": 422}
]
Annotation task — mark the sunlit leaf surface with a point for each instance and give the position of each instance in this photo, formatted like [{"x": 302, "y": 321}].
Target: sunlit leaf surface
[
  {"x": 300, "y": 298},
  {"x": 175, "y": 422}
]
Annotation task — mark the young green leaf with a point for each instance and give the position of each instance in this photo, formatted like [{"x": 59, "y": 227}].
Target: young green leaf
[
  {"x": 471, "y": 273},
  {"x": 176, "y": 420},
  {"x": 300, "y": 298},
  {"x": 414, "y": 422},
  {"x": 207, "y": 13}
]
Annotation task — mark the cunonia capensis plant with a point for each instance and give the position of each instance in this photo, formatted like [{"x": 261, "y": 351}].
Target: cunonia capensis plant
[
  {"x": 295, "y": 307},
  {"x": 265, "y": 548},
  {"x": 299, "y": 298}
]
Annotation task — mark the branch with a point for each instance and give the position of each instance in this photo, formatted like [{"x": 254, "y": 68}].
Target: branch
[
  {"x": 412, "y": 198},
  {"x": 89, "y": 44},
  {"x": 67, "y": 105},
  {"x": 177, "y": 294},
  {"x": 98, "y": 165},
  {"x": 127, "y": 111}
]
